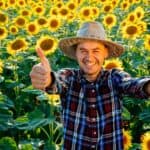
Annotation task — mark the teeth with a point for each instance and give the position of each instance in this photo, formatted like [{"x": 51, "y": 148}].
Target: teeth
[{"x": 89, "y": 64}]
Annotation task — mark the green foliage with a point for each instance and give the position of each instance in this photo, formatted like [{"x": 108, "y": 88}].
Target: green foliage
[{"x": 7, "y": 143}]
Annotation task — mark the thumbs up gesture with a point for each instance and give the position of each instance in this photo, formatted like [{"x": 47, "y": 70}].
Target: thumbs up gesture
[{"x": 40, "y": 73}]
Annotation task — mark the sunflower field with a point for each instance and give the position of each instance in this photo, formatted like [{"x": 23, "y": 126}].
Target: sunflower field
[{"x": 30, "y": 118}]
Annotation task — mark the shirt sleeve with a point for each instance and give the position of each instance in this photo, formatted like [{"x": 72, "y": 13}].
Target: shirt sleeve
[
  {"x": 60, "y": 81},
  {"x": 128, "y": 85}
]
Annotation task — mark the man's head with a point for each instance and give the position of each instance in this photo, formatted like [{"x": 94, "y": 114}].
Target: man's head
[
  {"x": 90, "y": 31},
  {"x": 90, "y": 56}
]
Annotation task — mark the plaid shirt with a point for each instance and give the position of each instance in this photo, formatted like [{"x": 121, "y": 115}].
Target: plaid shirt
[{"x": 91, "y": 111}]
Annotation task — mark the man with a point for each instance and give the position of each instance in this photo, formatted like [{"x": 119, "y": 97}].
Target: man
[{"x": 90, "y": 96}]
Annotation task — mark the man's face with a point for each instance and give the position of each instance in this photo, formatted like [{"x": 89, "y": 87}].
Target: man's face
[{"x": 90, "y": 56}]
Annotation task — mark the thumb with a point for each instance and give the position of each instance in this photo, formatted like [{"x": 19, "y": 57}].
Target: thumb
[{"x": 43, "y": 58}]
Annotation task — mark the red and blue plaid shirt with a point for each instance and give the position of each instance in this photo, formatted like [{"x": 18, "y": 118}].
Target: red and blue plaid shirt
[{"x": 91, "y": 111}]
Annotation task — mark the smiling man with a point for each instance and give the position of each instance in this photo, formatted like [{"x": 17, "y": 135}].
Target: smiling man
[{"x": 90, "y": 95}]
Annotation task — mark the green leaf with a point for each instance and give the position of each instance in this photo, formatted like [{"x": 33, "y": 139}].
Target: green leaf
[
  {"x": 1, "y": 79},
  {"x": 33, "y": 120},
  {"x": 145, "y": 115},
  {"x": 126, "y": 114},
  {"x": 31, "y": 90},
  {"x": 8, "y": 143}
]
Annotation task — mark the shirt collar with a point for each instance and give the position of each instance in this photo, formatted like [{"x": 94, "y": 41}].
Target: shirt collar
[{"x": 81, "y": 77}]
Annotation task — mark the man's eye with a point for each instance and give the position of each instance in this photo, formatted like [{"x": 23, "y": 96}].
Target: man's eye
[{"x": 96, "y": 51}]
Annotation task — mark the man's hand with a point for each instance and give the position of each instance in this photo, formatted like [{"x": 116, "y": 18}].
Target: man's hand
[
  {"x": 147, "y": 88},
  {"x": 40, "y": 73}
]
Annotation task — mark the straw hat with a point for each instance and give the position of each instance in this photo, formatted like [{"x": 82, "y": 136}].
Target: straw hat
[{"x": 90, "y": 31}]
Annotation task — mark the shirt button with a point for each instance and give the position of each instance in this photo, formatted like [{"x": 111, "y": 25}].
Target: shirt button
[
  {"x": 93, "y": 106},
  {"x": 93, "y": 146},
  {"x": 93, "y": 91},
  {"x": 94, "y": 132},
  {"x": 93, "y": 119}
]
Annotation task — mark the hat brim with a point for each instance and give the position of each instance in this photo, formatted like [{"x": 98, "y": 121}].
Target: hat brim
[{"x": 68, "y": 46}]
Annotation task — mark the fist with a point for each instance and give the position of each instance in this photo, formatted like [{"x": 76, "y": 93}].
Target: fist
[{"x": 40, "y": 73}]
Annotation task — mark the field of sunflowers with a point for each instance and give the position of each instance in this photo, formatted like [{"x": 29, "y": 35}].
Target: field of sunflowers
[{"x": 30, "y": 118}]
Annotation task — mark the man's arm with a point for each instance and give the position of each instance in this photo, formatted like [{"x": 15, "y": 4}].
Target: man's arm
[{"x": 134, "y": 87}]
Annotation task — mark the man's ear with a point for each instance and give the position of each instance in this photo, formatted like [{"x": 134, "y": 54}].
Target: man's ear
[{"x": 106, "y": 52}]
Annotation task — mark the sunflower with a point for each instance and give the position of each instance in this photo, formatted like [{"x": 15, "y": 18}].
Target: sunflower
[
  {"x": 54, "y": 24},
  {"x": 85, "y": 13},
  {"x": 131, "y": 31},
  {"x": 54, "y": 11},
  {"x": 139, "y": 11},
  {"x": 110, "y": 20},
  {"x": 125, "y": 5},
  {"x": 146, "y": 141},
  {"x": 71, "y": 17},
  {"x": 59, "y": 4},
  {"x": 107, "y": 8},
  {"x": 25, "y": 12},
  {"x": 1, "y": 66},
  {"x": 20, "y": 21},
  {"x": 113, "y": 63},
  {"x": 79, "y": 2},
  {"x": 147, "y": 42},
  {"x": 64, "y": 12},
  {"x": 95, "y": 11},
  {"x": 142, "y": 26},
  {"x": 2, "y": 4},
  {"x": 54, "y": 99},
  {"x": 42, "y": 21},
  {"x": 3, "y": 33},
  {"x": 32, "y": 28},
  {"x": 13, "y": 29},
  {"x": 17, "y": 45},
  {"x": 21, "y": 3},
  {"x": 47, "y": 44},
  {"x": 127, "y": 140},
  {"x": 3, "y": 18},
  {"x": 132, "y": 17},
  {"x": 39, "y": 10},
  {"x": 72, "y": 5},
  {"x": 11, "y": 3}
]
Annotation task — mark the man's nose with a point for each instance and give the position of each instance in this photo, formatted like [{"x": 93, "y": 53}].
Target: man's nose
[{"x": 89, "y": 55}]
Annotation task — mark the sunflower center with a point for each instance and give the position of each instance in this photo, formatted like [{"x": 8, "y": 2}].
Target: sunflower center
[
  {"x": 131, "y": 30},
  {"x": 86, "y": 12},
  {"x": 20, "y": 21},
  {"x": 47, "y": 44},
  {"x": 54, "y": 23},
  {"x": 107, "y": 8},
  {"x": 38, "y": 10},
  {"x": 125, "y": 140},
  {"x": 18, "y": 44},
  {"x": 1, "y": 31},
  {"x": 71, "y": 6},
  {"x": 109, "y": 20},
  {"x": 138, "y": 14},
  {"x": 12, "y": 1},
  {"x": 148, "y": 144},
  {"x": 64, "y": 12},
  {"x": 131, "y": 18},
  {"x": 32, "y": 28},
  {"x": 125, "y": 5},
  {"x": 25, "y": 13},
  {"x": 13, "y": 30},
  {"x": 2, "y": 18},
  {"x": 149, "y": 41},
  {"x": 41, "y": 21}
]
